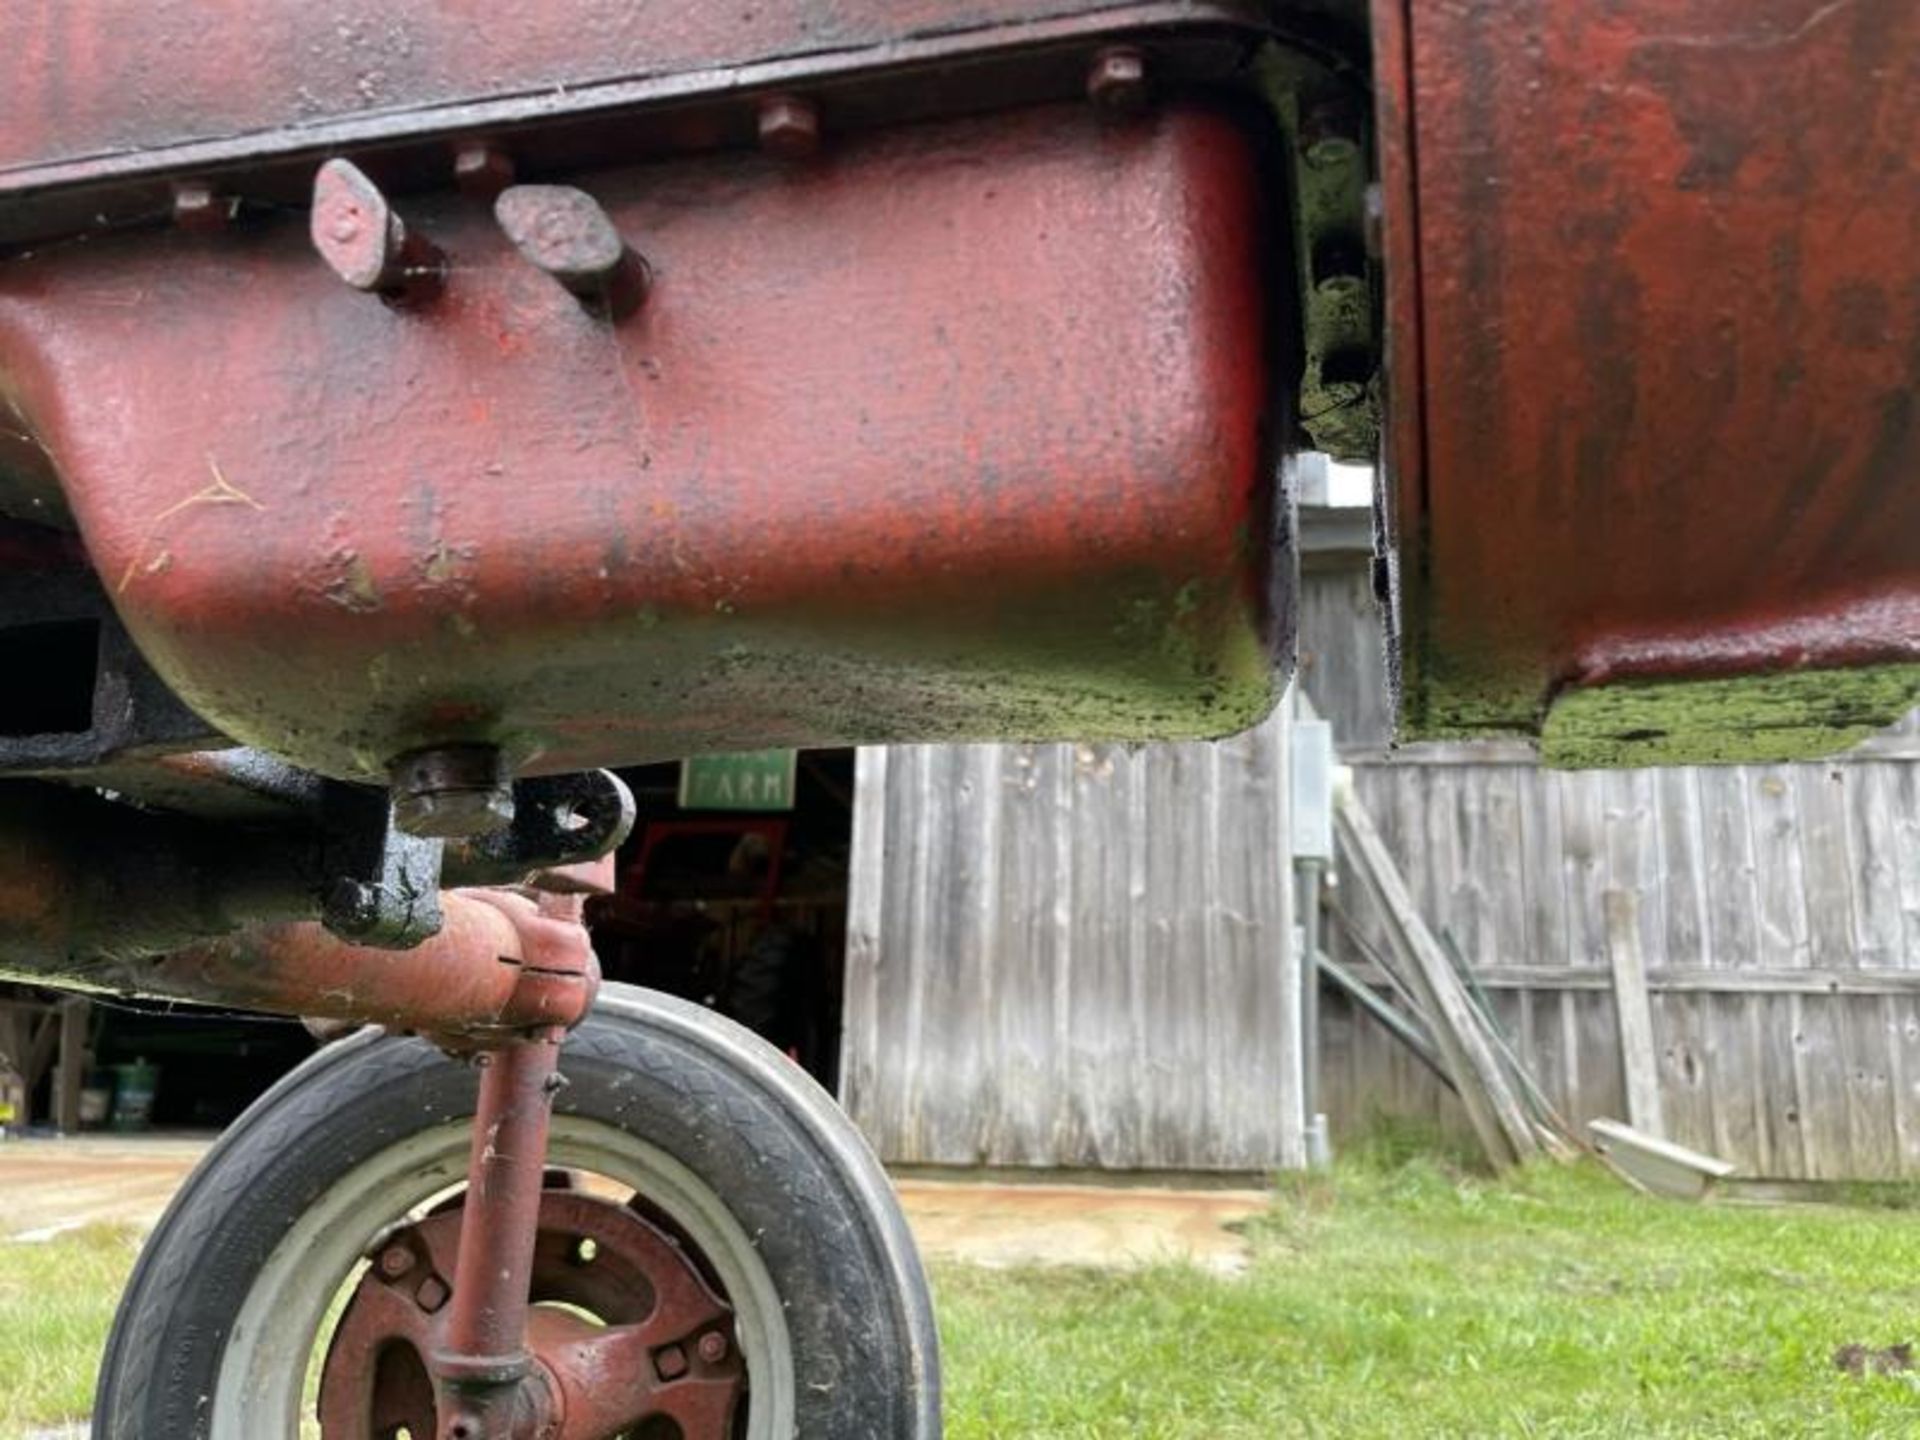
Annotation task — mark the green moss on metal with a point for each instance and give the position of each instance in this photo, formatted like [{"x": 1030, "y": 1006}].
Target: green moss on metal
[{"x": 1797, "y": 715}]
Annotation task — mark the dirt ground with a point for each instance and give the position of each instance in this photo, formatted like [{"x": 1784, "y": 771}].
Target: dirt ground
[{"x": 47, "y": 1186}]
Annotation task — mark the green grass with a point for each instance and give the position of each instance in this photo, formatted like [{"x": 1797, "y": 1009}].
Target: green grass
[
  {"x": 56, "y": 1301},
  {"x": 1400, "y": 1299},
  {"x": 1396, "y": 1298}
]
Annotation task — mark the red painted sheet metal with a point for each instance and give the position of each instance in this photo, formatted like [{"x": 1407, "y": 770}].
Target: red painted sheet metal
[
  {"x": 957, "y": 431},
  {"x": 1668, "y": 287}
]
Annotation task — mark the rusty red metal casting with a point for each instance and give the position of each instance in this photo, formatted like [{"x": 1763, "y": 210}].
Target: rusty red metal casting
[
  {"x": 1654, "y": 323},
  {"x": 965, "y": 433}
]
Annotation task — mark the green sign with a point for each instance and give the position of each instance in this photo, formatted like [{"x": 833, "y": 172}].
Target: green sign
[{"x": 750, "y": 780}]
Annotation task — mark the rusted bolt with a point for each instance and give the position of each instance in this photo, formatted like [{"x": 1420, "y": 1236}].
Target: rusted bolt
[
  {"x": 451, "y": 791},
  {"x": 482, "y": 169},
  {"x": 1118, "y": 79},
  {"x": 366, "y": 243},
  {"x": 1330, "y": 133},
  {"x": 568, "y": 234},
  {"x": 1340, "y": 267},
  {"x": 671, "y": 1362},
  {"x": 789, "y": 126},
  {"x": 198, "y": 206},
  {"x": 432, "y": 1294},
  {"x": 395, "y": 1261},
  {"x": 713, "y": 1347}
]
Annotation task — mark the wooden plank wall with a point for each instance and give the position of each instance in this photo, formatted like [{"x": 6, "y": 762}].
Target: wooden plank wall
[
  {"x": 1072, "y": 956},
  {"x": 1779, "y": 911}
]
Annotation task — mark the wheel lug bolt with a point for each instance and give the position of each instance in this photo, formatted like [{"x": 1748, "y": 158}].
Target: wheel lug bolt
[
  {"x": 671, "y": 1362},
  {"x": 713, "y": 1347},
  {"x": 395, "y": 1261}
]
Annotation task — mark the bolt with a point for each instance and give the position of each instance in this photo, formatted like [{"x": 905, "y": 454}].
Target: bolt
[
  {"x": 198, "y": 206},
  {"x": 1117, "y": 80},
  {"x": 395, "y": 1261},
  {"x": 713, "y": 1347},
  {"x": 1340, "y": 268},
  {"x": 568, "y": 234},
  {"x": 349, "y": 901},
  {"x": 1343, "y": 289},
  {"x": 1330, "y": 133},
  {"x": 671, "y": 1362},
  {"x": 482, "y": 169},
  {"x": 366, "y": 243},
  {"x": 789, "y": 126},
  {"x": 451, "y": 791},
  {"x": 432, "y": 1294}
]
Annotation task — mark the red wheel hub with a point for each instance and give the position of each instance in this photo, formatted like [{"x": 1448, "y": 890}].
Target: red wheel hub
[{"x": 628, "y": 1335}]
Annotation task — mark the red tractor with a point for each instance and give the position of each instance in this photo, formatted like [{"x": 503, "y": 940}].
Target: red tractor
[{"x": 405, "y": 411}]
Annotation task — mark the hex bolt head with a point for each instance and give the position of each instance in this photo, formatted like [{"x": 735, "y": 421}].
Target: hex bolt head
[
  {"x": 432, "y": 1294},
  {"x": 450, "y": 792},
  {"x": 568, "y": 234},
  {"x": 198, "y": 206},
  {"x": 671, "y": 1362},
  {"x": 482, "y": 169},
  {"x": 395, "y": 1261},
  {"x": 713, "y": 1347},
  {"x": 1117, "y": 79},
  {"x": 366, "y": 243},
  {"x": 1330, "y": 133},
  {"x": 789, "y": 126}
]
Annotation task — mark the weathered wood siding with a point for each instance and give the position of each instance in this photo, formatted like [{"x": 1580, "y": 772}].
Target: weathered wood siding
[
  {"x": 1779, "y": 911},
  {"x": 1073, "y": 956}
]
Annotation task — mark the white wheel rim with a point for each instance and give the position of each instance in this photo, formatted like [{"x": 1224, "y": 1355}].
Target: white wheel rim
[{"x": 264, "y": 1366}]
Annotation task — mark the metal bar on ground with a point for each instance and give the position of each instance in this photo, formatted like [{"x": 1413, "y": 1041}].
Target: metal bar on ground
[
  {"x": 1401, "y": 1027},
  {"x": 1499, "y": 1120}
]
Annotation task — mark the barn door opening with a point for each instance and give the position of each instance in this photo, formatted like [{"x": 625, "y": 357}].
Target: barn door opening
[{"x": 732, "y": 892}]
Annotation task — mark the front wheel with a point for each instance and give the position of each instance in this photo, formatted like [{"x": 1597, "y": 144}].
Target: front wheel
[{"x": 690, "y": 1160}]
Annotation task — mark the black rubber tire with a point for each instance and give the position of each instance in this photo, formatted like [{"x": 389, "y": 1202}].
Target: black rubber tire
[{"x": 755, "y": 1128}]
